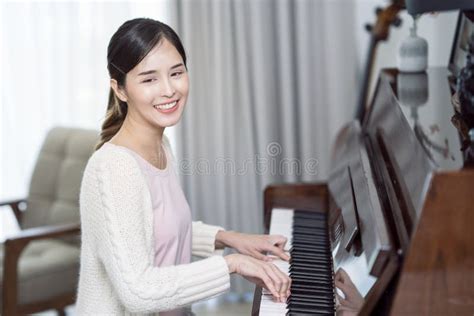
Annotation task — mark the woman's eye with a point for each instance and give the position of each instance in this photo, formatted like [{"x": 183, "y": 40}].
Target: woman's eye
[
  {"x": 149, "y": 80},
  {"x": 177, "y": 74}
]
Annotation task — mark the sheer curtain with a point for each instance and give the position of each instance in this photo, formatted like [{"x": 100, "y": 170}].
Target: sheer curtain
[
  {"x": 271, "y": 83},
  {"x": 53, "y": 72}
]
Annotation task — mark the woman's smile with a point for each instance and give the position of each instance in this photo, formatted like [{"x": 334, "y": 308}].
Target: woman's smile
[{"x": 167, "y": 107}]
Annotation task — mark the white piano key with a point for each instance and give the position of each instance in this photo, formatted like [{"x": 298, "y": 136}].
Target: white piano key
[{"x": 281, "y": 224}]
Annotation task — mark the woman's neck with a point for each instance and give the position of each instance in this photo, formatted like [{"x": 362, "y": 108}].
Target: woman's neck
[
  {"x": 143, "y": 139},
  {"x": 141, "y": 135}
]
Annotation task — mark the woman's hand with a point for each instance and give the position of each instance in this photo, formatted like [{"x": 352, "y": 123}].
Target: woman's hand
[
  {"x": 262, "y": 273},
  {"x": 254, "y": 245},
  {"x": 353, "y": 300}
]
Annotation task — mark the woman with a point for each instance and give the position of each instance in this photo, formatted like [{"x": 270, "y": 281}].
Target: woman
[{"x": 137, "y": 234}]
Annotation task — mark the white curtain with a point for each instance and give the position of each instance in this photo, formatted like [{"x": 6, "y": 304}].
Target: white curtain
[
  {"x": 53, "y": 72},
  {"x": 271, "y": 83}
]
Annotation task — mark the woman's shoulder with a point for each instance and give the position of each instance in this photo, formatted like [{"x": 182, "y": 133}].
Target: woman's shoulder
[{"x": 112, "y": 157}]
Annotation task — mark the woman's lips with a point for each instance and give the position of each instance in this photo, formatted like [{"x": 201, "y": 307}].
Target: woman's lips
[{"x": 167, "y": 108}]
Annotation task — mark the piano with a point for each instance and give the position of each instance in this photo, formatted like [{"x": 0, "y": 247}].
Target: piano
[{"x": 395, "y": 216}]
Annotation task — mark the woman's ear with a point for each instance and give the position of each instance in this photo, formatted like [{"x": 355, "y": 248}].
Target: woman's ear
[{"x": 119, "y": 92}]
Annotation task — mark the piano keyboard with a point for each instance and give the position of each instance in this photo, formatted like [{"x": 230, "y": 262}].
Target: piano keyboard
[{"x": 310, "y": 267}]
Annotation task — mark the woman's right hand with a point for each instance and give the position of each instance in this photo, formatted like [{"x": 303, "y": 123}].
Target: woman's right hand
[{"x": 262, "y": 273}]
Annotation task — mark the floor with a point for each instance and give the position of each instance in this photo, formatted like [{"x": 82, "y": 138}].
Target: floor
[
  {"x": 227, "y": 309},
  {"x": 213, "y": 307}
]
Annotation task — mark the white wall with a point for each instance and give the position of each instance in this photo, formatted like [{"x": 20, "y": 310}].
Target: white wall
[{"x": 438, "y": 29}]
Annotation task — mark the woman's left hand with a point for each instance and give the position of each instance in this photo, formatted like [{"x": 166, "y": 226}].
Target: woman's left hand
[{"x": 254, "y": 245}]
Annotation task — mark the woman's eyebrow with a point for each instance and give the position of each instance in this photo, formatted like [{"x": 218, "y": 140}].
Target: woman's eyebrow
[
  {"x": 154, "y": 71},
  {"x": 176, "y": 66},
  {"x": 146, "y": 72}
]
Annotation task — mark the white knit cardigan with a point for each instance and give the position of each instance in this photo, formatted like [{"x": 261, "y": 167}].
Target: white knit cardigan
[{"x": 117, "y": 275}]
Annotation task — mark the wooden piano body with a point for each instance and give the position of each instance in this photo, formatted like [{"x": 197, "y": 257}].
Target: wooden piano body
[{"x": 400, "y": 200}]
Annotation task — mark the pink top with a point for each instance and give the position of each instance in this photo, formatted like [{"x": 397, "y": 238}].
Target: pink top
[
  {"x": 172, "y": 216},
  {"x": 171, "y": 212}
]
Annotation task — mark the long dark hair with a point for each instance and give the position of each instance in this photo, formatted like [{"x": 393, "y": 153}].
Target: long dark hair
[{"x": 128, "y": 46}]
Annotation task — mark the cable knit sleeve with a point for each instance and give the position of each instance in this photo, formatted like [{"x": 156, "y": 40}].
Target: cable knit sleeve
[
  {"x": 123, "y": 241},
  {"x": 204, "y": 239}
]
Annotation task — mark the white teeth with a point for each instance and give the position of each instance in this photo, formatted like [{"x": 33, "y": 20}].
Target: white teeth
[{"x": 165, "y": 106}]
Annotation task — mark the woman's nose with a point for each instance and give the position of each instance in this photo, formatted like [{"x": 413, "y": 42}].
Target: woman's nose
[{"x": 167, "y": 89}]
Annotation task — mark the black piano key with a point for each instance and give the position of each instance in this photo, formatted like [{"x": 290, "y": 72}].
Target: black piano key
[
  {"x": 327, "y": 292},
  {"x": 313, "y": 310},
  {"x": 310, "y": 240},
  {"x": 307, "y": 225},
  {"x": 314, "y": 224},
  {"x": 320, "y": 300},
  {"x": 321, "y": 303},
  {"x": 312, "y": 289},
  {"x": 309, "y": 232},
  {"x": 304, "y": 314},
  {"x": 315, "y": 306},
  {"x": 311, "y": 258},
  {"x": 309, "y": 247},
  {"x": 301, "y": 256},
  {"x": 315, "y": 269},
  {"x": 319, "y": 280},
  {"x": 312, "y": 279},
  {"x": 320, "y": 293},
  {"x": 306, "y": 255},
  {"x": 309, "y": 215},
  {"x": 309, "y": 263}
]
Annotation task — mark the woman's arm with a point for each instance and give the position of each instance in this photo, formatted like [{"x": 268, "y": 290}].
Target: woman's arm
[
  {"x": 118, "y": 210},
  {"x": 254, "y": 245},
  {"x": 204, "y": 242},
  {"x": 209, "y": 240}
]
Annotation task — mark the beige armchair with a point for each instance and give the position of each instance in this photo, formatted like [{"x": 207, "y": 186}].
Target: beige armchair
[{"x": 39, "y": 267}]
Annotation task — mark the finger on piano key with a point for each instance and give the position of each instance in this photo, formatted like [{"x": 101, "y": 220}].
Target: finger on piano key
[{"x": 273, "y": 258}]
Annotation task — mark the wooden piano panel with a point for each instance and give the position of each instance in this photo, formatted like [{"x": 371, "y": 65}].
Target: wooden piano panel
[{"x": 438, "y": 273}]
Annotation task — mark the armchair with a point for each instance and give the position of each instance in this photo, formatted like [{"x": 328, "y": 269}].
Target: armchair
[{"x": 39, "y": 266}]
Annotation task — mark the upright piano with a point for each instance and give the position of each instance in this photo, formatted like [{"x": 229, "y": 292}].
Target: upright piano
[{"x": 395, "y": 218}]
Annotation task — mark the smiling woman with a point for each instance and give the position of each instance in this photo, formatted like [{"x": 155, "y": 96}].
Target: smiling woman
[
  {"x": 155, "y": 92},
  {"x": 137, "y": 234}
]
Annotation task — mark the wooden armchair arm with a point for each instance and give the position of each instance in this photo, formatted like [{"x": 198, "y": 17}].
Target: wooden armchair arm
[
  {"x": 13, "y": 248},
  {"x": 12, "y": 202},
  {"x": 310, "y": 196},
  {"x": 22, "y": 238},
  {"x": 15, "y": 206}
]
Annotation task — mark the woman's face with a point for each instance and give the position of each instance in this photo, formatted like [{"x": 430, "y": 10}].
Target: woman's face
[{"x": 157, "y": 88}]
